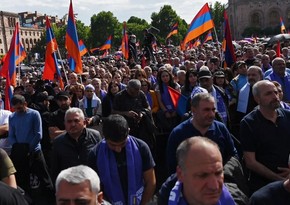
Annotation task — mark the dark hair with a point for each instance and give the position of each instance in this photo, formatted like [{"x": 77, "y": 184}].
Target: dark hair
[
  {"x": 115, "y": 128},
  {"x": 171, "y": 82},
  {"x": 17, "y": 99},
  {"x": 111, "y": 85},
  {"x": 187, "y": 87}
]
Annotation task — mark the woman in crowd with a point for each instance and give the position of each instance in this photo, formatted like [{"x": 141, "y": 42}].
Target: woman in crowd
[
  {"x": 150, "y": 94},
  {"x": 107, "y": 103}
]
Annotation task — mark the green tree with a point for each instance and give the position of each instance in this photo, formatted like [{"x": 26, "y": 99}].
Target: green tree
[
  {"x": 136, "y": 26},
  {"x": 102, "y": 26},
  {"x": 164, "y": 20},
  {"x": 217, "y": 12}
]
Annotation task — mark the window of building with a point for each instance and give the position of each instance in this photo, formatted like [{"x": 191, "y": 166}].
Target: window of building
[
  {"x": 274, "y": 18},
  {"x": 255, "y": 20},
  {"x": 0, "y": 41},
  {"x": 1, "y": 51},
  {"x": 25, "y": 33}
]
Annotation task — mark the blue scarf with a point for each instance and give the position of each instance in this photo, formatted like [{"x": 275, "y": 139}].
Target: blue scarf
[
  {"x": 110, "y": 178},
  {"x": 243, "y": 98},
  {"x": 176, "y": 197},
  {"x": 220, "y": 105},
  {"x": 284, "y": 82},
  {"x": 149, "y": 98},
  {"x": 166, "y": 99}
]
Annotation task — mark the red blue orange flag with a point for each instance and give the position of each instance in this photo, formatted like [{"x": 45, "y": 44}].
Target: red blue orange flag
[
  {"x": 208, "y": 37},
  {"x": 51, "y": 65},
  {"x": 227, "y": 44},
  {"x": 201, "y": 23},
  {"x": 196, "y": 43},
  {"x": 174, "y": 30},
  {"x": 14, "y": 57},
  {"x": 179, "y": 101},
  {"x": 283, "y": 28},
  {"x": 93, "y": 50},
  {"x": 107, "y": 44},
  {"x": 125, "y": 44},
  {"x": 8, "y": 94},
  {"x": 72, "y": 42},
  {"x": 278, "y": 49},
  {"x": 82, "y": 47}
]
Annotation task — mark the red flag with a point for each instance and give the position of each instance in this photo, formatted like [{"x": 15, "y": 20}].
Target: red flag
[
  {"x": 179, "y": 101},
  {"x": 278, "y": 49},
  {"x": 107, "y": 44},
  {"x": 51, "y": 65},
  {"x": 72, "y": 42},
  {"x": 125, "y": 44}
]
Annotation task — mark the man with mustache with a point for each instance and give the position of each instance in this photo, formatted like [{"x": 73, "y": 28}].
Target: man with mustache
[{"x": 265, "y": 137}]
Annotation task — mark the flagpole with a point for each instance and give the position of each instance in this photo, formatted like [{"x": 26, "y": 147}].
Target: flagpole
[
  {"x": 62, "y": 66},
  {"x": 219, "y": 49}
]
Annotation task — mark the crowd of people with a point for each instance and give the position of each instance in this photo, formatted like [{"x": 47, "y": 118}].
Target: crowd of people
[{"x": 100, "y": 139}]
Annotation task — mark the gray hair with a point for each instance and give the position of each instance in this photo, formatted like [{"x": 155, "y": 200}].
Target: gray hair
[
  {"x": 74, "y": 110},
  {"x": 256, "y": 87},
  {"x": 199, "y": 97},
  {"x": 134, "y": 83},
  {"x": 77, "y": 175},
  {"x": 257, "y": 68},
  {"x": 184, "y": 147}
]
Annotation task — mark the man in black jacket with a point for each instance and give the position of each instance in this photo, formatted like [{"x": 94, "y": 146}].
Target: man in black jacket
[{"x": 73, "y": 146}]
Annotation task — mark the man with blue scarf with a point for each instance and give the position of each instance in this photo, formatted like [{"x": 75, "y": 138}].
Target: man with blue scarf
[
  {"x": 200, "y": 174},
  {"x": 124, "y": 163}
]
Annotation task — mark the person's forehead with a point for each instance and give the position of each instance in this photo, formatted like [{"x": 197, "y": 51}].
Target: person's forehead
[
  {"x": 67, "y": 190},
  {"x": 72, "y": 115}
]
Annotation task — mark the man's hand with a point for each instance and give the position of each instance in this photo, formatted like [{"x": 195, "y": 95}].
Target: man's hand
[{"x": 284, "y": 172}]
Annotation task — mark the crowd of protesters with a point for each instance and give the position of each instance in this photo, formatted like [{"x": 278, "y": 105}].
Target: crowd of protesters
[{"x": 124, "y": 106}]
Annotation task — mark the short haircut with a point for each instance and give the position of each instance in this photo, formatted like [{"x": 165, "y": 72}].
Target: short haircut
[
  {"x": 256, "y": 87},
  {"x": 200, "y": 96},
  {"x": 134, "y": 83},
  {"x": 77, "y": 175},
  {"x": 257, "y": 68},
  {"x": 115, "y": 128},
  {"x": 74, "y": 110},
  {"x": 17, "y": 99},
  {"x": 275, "y": 60},
  {"x": 184, "y": 147}
]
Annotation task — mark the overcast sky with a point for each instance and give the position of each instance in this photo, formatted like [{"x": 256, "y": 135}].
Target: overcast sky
[{"x": 122, "y": 9}]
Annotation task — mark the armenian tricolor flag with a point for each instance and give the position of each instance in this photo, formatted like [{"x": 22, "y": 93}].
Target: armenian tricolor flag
[
  {"x": 125, "y": 44},
  {"x": 174, "y": 30},
  {"x": 283, "y": 28},
  {"x": 107, "y": 44}
]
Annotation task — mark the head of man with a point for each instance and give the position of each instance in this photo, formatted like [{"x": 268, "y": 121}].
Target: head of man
[
  {"x": 74, "y": 121},
  {"x": 116, "y": 138},
  {"x": 133, "y": 87},
  {"x": 19, "y": 103},
  {"x": 254, "y": 74},
  {"x": 279, "y": 89},
  {"x": 63, "y": 100},
  {"x": 242, "y": 68},
  {"x": 78, "y": 185},
  {"x": 205, "y": 78},
  {"x": 266, "y": 95},
  {"x": 200, "y": 170},
  {"x": 279, "y": 66},
  {"x": 265, "y": 60},
  {"x": 203, "y": 109}
]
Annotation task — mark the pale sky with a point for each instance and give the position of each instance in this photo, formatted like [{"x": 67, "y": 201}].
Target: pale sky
[{"x": 122, "y": 9}]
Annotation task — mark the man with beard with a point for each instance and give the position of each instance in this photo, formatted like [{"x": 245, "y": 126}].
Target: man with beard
[
  {"x": 265, "y": 137},
  {"x": 202, "y": 123},
  {"x": 56, "y": 124}
]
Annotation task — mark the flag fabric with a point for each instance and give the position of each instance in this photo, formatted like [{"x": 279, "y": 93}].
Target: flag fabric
[
  {"x": 125, "y": 44},
  {"x": 174, "y": 30},
  {"x": 179, "y": 101},
  {"x": 278, "y": 49},
  {"x": 208, "y": 37},
  {"x": 82, "y": 47},
  {"x": 16, "y": 54},
  {"x": 8, "y": 94},
  {"x": 72, "y": 42},
  {"x": 51, "y": 65},
  {"x": 283, "y": 28},
  {"x": 93, "y": 50},
  {"x": 107, "y": 44},
  {"x": 196, "y": 43},
  {"x": 201, "y": 23},
  {"x": 227, "y": 44}
]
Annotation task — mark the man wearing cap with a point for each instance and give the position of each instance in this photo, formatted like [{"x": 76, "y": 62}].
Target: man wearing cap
[
  {"x": 56, "y": 123},
  {"x": 221, "y": 99},
  {"x": 241, "y": 79}
]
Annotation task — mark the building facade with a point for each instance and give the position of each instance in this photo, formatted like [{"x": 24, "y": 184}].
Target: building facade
[{"x": 260, "y": 14}]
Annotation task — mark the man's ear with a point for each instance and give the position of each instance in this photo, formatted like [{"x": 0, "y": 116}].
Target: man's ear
[
  {"x": 179, "y": 173},
  {"x": 100, "y": 197}
]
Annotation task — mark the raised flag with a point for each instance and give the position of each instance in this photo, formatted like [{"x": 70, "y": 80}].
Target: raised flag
[
  {"x": 51, "y": 65},
  {"x": 125, "y": 44},
  {"x": 179, "y": 101},
  {"x": 72, "y": 42},
  {"x": 14, "y": 57},
  {"x": 227, "y": 44},
  {"x": 283, "y": 28},
  {"x": 107, "y": 44},
  {"x": 201, "y": 23},
  {"x": 8, "y": 94},
  {"x": 82, "y": 47},
  {"x": 196, "y": 43},
  {"x": 174, "y": 30},
  {"x": 208, "y": 37},
  {"x": 93, "y": 50}
]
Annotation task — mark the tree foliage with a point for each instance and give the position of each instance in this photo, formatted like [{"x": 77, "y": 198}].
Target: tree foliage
[{"x": 217, "y": 12}]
